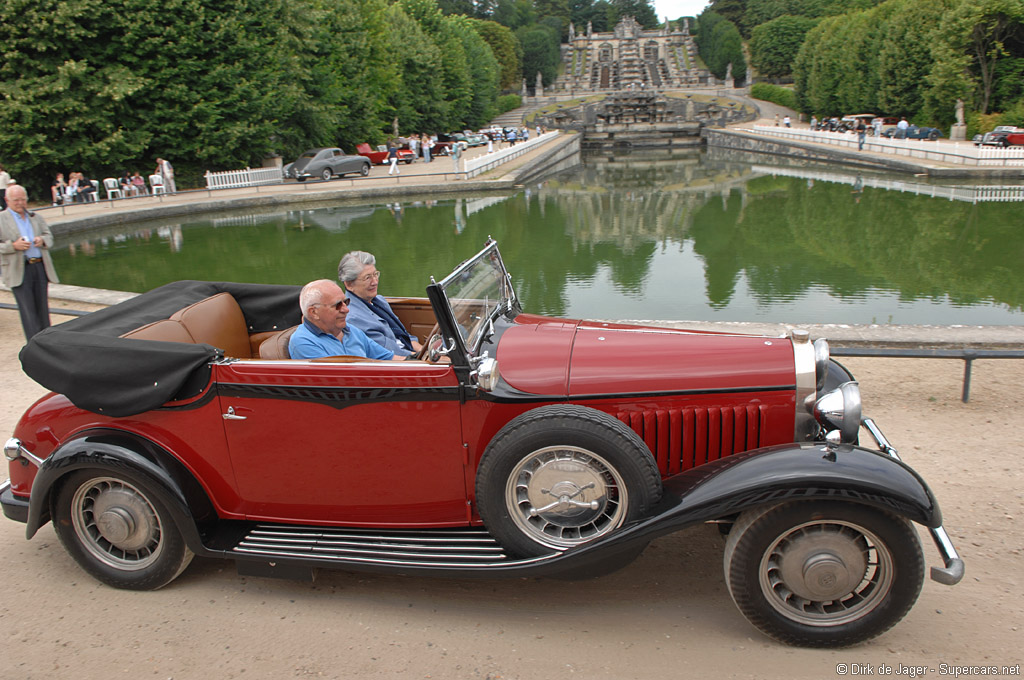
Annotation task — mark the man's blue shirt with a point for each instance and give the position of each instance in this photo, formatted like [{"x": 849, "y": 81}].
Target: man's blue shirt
[
  {"x": 309, "y": 342},
  {"x": 25, "y": 227}
]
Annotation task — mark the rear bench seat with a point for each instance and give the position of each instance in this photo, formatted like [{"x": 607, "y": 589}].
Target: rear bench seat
[{"x": 216, "y": 320}]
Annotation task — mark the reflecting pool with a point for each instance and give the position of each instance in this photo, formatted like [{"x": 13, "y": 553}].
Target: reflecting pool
[{"x": 693, "y": 235}]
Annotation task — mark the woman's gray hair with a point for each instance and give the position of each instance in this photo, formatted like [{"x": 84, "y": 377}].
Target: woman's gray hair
[
  {"x": 352, "y": 265},
  {"x": 312, "y": 294}
]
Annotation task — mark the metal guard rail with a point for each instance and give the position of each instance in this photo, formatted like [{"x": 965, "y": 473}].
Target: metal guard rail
[{"x": 968, "y": 356}]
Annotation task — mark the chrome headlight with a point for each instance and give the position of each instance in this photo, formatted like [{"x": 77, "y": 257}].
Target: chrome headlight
[
  {"x": 840, "y": 410},
  {"x": 486, "y": 373}
]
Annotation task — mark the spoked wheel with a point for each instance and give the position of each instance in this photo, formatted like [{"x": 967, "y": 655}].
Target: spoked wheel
[
  {"x": 823, "y": 574},
  {"x": 118, "y": 531},
  {"x": 560, "y": 476},
  {"x": 326, "y": 174}
]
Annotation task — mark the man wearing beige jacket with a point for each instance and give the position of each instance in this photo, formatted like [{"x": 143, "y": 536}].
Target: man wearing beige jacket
[{"x": 25, "y": 242}]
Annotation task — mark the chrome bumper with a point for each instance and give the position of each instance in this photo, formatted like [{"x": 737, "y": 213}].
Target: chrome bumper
[{"x": 953, "y": 571}]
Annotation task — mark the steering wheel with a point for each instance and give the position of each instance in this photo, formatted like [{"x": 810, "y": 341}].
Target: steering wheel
[{"x": 433, "y": 339}]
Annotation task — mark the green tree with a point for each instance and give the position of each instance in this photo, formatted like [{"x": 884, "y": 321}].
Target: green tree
[
  {"x": 730, "y": 10},
  {"x": 972, "y": 39},
  {"x": 419, "y": 103},
  {"x": 774, "y": 44},
  {"x": 514, "y": 13},
  {"x": 641, "y": 10},
  {"x": 540, "y": 52},
  {"x": 506, "y": 50},
  {"x": 484, "y": 74},
  {"x": 101, "y": 86},
  {"x": 720, "y": 44}
]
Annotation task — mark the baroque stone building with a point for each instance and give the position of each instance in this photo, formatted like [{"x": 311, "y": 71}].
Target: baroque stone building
[{"x": 630, "y": 58}]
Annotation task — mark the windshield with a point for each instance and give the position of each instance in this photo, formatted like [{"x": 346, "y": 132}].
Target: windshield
[{"x": 478, "y": 290}]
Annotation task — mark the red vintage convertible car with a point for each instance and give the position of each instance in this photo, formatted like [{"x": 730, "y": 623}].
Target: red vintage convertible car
[
  {"x": 380, "y": 156},
  {"x": 537, "y": 447}
]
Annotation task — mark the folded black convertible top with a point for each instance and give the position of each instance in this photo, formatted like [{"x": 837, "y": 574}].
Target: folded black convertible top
[{"x": 86, "y": 360}]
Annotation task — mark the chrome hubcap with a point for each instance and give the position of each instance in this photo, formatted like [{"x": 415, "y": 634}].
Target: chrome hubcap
[
  {"x": 116, "y": 523},
  {"x": 826, "y": 573},
  {"x": 563, "y": 496}
]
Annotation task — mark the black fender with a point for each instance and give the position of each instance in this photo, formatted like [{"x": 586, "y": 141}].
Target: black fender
[
  {"x": 766, "y": 476},
  {"x": 118, "y": 451}
]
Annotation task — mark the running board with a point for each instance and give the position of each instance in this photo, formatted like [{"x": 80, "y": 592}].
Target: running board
[{"x": 456, "y": 548}]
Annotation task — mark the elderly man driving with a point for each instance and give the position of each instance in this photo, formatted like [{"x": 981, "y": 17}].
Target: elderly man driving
[
  {"x": 369, "y": 311},
  {"x": 324, "y": 331}
]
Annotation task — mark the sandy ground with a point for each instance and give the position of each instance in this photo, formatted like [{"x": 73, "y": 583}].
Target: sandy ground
[{"x": 667, "y": 615}]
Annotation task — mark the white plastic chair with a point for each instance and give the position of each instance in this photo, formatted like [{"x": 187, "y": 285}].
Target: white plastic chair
[
  {"x": 94, "y": 195},
  {"x": 156, "y": 183},
  {"x": 113, "y": 187}
]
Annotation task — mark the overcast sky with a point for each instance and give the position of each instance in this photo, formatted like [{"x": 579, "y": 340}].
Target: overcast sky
[{"x": 673, "y": 9}]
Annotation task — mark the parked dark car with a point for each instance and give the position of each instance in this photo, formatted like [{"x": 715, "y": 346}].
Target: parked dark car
[
  {"x": 999, "y": 136},
  {"x": 327, "y": 162},
  {"x": 914, "y": 132},
  {"x": 515, "y": 445}
]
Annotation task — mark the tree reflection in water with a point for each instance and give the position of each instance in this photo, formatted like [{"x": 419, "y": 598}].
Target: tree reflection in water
[{"x": 643, "y": 235}]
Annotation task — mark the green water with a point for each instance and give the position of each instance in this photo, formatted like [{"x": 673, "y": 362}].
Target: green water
[{"x": 691, "y": 236}]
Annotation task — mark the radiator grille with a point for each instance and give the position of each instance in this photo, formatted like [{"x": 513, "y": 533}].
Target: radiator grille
[{"x": 684, "y": 438}]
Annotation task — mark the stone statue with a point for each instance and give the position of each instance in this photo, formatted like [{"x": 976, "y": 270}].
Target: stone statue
[
  {"x": 728, "y": 71},
  {"x": 686, "y": 26},
  {"x": 959, "y": 111},
  {"x": 572, "y": 32},
  {"x": 590, "y": 30},
  {"x": 540, "y": 86},
  {"x": 523, "y": 91}
]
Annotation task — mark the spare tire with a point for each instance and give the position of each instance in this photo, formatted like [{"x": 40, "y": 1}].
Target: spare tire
[{"x": 562, "y": 475}]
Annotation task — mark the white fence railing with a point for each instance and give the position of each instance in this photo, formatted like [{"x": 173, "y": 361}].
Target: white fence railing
[
  {"x": 250, "y": 177},
  {"x": 962, "y": 153},
  {"x": 960, "y": 192},
  {"x": 481, "y": 164}
]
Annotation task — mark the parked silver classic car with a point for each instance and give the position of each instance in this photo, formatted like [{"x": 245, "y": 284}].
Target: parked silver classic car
[{"x": 327, "y": 162}]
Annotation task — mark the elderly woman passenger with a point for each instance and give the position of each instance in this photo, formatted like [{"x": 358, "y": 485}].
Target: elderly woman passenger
[{"x": 368, "y": 311}]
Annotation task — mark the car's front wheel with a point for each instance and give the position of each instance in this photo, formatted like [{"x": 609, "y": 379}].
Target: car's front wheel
[
  {"x": 562, "y": 475},
  {"x": 118, "y": 531},
  {"x": 823, "y": 574},
  {"x": 326, "y": 174}
]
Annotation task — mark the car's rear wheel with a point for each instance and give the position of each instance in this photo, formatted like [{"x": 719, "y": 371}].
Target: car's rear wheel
[
  {"x": 365, "y": 169},
  {"x": 823, "y": 574},
  {"x": 562, "y": 475},
  {"x": 118, "y": 531},
  {"x": 326, "y": 174}
]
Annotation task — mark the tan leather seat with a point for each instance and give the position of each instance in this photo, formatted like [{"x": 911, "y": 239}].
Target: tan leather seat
[
  {"x": 276, "y": 346},
  {"x": 217, "y": 321}
]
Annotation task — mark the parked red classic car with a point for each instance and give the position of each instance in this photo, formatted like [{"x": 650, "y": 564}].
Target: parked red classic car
[
  {"x": 540, "y": 446},
  {"x": 380, "y": 156}
]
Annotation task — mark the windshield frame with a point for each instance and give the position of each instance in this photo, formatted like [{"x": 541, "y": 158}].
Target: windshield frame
[{"x": 469, "y": 299}]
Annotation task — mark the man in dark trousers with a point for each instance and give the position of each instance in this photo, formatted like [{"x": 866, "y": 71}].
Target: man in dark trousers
[{"x": 25, "y": 242}]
